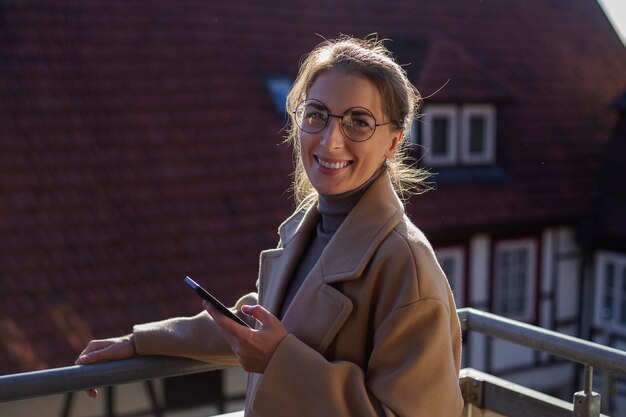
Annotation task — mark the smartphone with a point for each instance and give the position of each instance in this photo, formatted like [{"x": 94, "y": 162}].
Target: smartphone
[{"x": 214, "y": 301}]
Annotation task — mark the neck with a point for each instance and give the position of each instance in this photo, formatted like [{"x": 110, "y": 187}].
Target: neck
[{"x": 334, "y": 208}]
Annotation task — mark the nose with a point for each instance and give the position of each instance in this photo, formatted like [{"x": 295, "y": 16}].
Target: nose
[{"x": 333, "y": 136}]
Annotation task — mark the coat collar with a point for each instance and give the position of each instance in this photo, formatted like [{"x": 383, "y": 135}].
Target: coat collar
[
  {"x": 369, "y": 222},
  {"x": 360, "y": 234},
  {"x": 345, "y": 257}
]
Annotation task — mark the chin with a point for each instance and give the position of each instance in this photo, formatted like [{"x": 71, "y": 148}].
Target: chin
[{"x": 331, "y": 189}]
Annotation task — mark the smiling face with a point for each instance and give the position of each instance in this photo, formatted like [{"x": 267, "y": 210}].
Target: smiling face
[{"x": 333, "y": 163}]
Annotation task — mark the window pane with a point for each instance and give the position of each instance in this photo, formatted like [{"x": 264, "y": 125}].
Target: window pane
[
  {"x": 513, "y": 281},
  {"x": 478, "y": 135},
  {"x": 439, "y": 145},
  {"x": 518, "y": 275},
  {"x": 609, "y": 287}
]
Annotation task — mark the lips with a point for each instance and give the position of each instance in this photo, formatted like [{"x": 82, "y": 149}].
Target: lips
[{"x": 332, "y": 165}]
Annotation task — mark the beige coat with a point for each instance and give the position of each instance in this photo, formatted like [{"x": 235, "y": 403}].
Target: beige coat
[{"x": 373, "y": 331}]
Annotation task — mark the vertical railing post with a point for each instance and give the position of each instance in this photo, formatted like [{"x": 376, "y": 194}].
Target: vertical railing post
[{"x": 587, "y": 402}]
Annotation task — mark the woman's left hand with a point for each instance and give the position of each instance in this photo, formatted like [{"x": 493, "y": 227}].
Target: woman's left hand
[{"x": 253, "y": 348}]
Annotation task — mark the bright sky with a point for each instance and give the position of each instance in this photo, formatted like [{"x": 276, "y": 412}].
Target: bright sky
[{"x": 616, "y": 11}]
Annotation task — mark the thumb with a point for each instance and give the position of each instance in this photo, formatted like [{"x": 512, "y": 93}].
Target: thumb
[{"x": 260, "y": 314}]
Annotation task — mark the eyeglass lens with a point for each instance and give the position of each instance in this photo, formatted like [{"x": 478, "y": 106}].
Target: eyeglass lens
[{"x": 358, "y": 123}]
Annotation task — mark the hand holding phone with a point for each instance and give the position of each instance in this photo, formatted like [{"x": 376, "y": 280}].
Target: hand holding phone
[{"x": 214, "y": 301}]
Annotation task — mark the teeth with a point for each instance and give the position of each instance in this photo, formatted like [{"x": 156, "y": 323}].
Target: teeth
[{"x": 332, "y": 165}]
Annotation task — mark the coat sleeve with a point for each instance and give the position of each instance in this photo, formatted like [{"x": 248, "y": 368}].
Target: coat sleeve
[
  {"x": 194, "y": 337},
  {"x": 411, "y": 372}
]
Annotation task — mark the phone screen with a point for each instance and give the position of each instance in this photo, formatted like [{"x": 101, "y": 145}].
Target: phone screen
[{"x": 214, "y": 301}]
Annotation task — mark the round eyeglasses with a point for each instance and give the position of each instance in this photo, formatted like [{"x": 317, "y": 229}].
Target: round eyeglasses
[{"x": 357, "y": 123}]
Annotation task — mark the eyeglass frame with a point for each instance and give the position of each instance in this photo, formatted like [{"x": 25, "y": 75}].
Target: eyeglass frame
[{"x": 340, "y": 117}]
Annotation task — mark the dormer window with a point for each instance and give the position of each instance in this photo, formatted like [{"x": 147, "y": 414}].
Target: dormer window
[
  {"x": 459, "y": 135},
  {"x": 279, "y": 87},
  {"x": 439, "y": 133},
  {"x": 478, "y": 127}
]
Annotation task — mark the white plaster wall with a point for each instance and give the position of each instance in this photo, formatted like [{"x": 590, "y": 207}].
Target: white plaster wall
[
  {"x": 568, "y": 283},
  {"x": 479, "y": 258}
]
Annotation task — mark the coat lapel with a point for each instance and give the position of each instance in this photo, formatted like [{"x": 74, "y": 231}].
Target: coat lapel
[
  {"x": 361, "y": 233},
  {"x": 278, "y": 265},
  {"x": 317, "y": 312}
]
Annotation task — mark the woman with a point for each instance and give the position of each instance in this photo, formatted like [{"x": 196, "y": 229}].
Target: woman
[{"x": 354, "y": 316}]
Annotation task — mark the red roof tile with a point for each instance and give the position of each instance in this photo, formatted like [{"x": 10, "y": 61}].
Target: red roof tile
[{"x": 139, "y": 143}]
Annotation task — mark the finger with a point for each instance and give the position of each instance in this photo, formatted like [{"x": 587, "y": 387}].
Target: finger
[
  {"x": 260, "y": 314},
  {"x": 96, "y": 346},
  {"x": 217, "y": 315},
  {"x": 87, "y": 358},
  {"x": 108, "y": 353},
  {"x": 87, "y": 353},
  {"x": 225, "y": 324}
]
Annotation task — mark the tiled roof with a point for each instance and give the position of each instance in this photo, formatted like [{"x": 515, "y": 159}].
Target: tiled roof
[
  {"x": 140, "y": 143},
  {"x": 451, "y": 74},
  {"x": 610, "y": 226}
]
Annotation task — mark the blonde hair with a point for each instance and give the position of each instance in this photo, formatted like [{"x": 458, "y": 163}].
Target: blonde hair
[{"x": 368, "y": 58}]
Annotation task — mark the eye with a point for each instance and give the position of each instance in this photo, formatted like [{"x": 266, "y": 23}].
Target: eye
[
  {"x": 311, "y": 114},
  {"x": 355, "y": 122},
  {"x": 359, "y": 120}
]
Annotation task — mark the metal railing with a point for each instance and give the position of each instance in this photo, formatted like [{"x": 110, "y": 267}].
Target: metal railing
[
  {"x": 586, "y": 403},
  {"x": 81, "y": 377},
  {"x": 544, "y": 340},
  {"x": 75, "y": 378}
]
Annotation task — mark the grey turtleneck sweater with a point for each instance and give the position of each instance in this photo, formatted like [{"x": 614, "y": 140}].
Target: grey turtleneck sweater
[{"x": 333, "y": 209}]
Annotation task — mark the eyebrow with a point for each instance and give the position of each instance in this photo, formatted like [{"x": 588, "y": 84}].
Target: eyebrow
[
  {"x": 356, "y": 110},
  {"x": 359, "y": 111},
  {"x": 318, "y": 105}
]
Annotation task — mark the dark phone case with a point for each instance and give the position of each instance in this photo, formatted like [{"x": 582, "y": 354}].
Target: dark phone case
[{"x": 214, "y": 301}]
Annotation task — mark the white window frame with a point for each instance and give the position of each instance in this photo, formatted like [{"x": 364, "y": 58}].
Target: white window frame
[
  {"x": 455, "y": 254},
  {"x": 488, "y": 112},
  {"x": 450, "y": 113},
  {"x": 602, "y": 260},
  {"x": 529, "y": 245}
]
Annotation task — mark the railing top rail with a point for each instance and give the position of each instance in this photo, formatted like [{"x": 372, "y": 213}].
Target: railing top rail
[
  {"x": 76, "y": 378},
  {"x": 544, "y": 340}
]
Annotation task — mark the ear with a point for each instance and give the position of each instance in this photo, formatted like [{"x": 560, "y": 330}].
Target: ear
[{"x": 395, "y": 141}]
